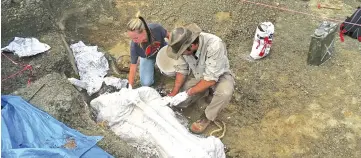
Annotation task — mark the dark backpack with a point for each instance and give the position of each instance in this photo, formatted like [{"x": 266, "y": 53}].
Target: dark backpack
[{"x": 352, "y": 26}]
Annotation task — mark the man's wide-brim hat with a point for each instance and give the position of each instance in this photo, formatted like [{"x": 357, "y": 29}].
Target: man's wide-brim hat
[{"x": 181, "y": 38}]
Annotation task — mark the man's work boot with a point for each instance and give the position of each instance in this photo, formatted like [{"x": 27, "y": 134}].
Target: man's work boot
[{"x": 200, "y": 125}]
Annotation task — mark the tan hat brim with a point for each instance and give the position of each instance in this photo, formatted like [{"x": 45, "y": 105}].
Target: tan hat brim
[
  {"x": 195, "y": 33},
  {"x": 172, "y": 53}
]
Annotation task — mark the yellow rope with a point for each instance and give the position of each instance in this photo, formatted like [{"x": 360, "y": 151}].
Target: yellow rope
[{"x": 219, "y": 129}]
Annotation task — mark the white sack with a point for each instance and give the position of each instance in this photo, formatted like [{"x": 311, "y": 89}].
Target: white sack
[
  {"x": 92, "y": 66},
  {"x": 78, "y": 83},
  {"x": 142, "y": 118},
  {"x": 26, "y": 47},
  {"x": 262, "y": 40},
  {"x": 116, "y": 82}
]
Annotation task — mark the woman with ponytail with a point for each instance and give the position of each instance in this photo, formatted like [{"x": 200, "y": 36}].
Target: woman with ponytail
[{"x": 147, "y": 40}]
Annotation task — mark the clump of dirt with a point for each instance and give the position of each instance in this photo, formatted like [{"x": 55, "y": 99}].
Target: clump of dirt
[{"x": 70, "y": 143}]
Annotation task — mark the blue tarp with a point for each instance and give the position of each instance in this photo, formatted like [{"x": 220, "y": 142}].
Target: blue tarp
[{"x": 29, "y": 132}]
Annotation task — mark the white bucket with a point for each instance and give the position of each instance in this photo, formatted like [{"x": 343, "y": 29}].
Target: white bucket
[
  {"x": 165, "y": 63},
  {"x": 262, "y": 40}
]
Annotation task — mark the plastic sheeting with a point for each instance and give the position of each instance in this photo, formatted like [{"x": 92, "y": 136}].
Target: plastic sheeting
[
  {"x": 26, "y": 47},
  {"x": 142, "y": 118},
  {"x": 29, "y": 132},
  {"x": 92, "y": 66}
]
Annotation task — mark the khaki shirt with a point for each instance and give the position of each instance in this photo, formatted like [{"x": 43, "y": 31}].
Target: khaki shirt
[{"x": 212, "y": 59}]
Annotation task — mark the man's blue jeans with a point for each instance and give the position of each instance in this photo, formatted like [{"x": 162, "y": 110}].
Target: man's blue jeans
[{"x": 146, "y": 71}]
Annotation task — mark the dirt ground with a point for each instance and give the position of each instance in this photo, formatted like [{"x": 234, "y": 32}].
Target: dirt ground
[{"x": 282, "y": 107}]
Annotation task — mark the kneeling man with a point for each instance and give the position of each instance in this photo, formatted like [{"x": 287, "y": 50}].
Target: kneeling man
[{"x": 205, "y": 56}]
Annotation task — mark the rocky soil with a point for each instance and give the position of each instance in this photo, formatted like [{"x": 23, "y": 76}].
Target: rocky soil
[{"x": 282, "y": 107}]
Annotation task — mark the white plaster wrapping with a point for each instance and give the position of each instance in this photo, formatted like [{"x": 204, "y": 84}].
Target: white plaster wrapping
[
  {"x": 78, "y": 83},
  {"x": 92, "y": 66},
  {"x": 142, "y": 118},
  {"x": 116, "y": 82},
  {"x": 26, "y": 47}
]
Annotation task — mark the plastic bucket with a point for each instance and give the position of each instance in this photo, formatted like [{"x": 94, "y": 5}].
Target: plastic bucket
[{"x": 165, "y": 63}]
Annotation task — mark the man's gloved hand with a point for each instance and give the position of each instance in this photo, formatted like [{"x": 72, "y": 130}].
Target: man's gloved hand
[
  {"x": 172, "y": 94},
  {"x": 168, "y": 100},
  {"x": 179, "y": 98}
]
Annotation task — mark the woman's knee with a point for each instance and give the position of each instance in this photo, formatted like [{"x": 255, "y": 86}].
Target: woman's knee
[
  {"x": 146, "y": 81},
  {"x": 146, "y": 72}
]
